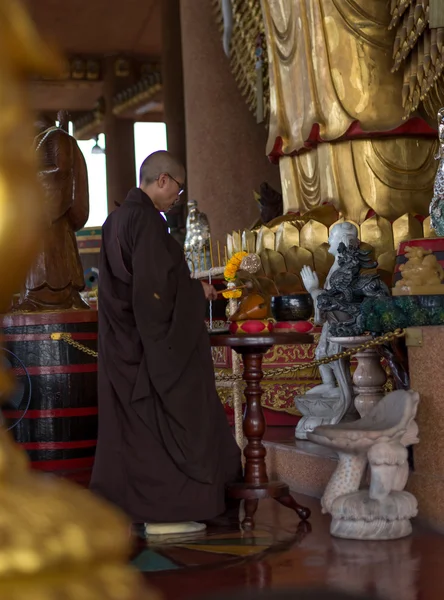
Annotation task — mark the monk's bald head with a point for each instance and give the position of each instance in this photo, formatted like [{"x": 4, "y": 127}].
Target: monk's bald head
[
  {"x": 162, "y": 178},
  {"x": 158, "y": 163}
]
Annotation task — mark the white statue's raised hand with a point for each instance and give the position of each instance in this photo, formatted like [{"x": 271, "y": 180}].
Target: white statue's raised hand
[{"x": 309, "y": 279}]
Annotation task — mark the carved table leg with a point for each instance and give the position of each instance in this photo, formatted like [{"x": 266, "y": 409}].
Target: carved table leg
[
  {"x": 256, "y": 485},
  {"x": 289, "y": 502},
  {"x": 250, "y": 511},
  {"x": 254, "y": 421}
]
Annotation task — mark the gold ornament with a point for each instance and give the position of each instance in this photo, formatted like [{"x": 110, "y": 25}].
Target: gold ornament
[
  {"x": 58, "y": 541},
  {"x": 251, "y": 264}
]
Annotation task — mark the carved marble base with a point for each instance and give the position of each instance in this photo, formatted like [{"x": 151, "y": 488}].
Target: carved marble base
[
  {"x": 378, "y": 441},
  {"x": 356, "y": 516},
  {"x": 317, "y": 409},
  {"x": 156, "y": 529}
]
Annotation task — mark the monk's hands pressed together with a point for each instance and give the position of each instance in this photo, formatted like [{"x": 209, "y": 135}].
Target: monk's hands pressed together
[{"x": 209, "y": 291}]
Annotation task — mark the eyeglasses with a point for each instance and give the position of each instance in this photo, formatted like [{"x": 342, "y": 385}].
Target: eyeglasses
[{"x": 180, "y": 185}]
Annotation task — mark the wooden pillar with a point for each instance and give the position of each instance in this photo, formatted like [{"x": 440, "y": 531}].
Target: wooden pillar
[
  {"x": 119, "y": 136},
  {"x": 226, "y": 158},
  {"x": 173, "y": 100}
]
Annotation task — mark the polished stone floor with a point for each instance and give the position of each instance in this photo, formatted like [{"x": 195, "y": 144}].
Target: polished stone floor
[{"x": 283, "y": 554}]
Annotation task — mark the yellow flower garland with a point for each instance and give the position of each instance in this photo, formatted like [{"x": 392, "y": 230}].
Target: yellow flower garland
[
  {"x": 233, "y": 265},
  {"x": 230, "y": 273}
]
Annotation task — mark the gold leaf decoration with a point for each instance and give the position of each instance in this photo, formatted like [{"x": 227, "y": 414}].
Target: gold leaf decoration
[
  {"x": 419, "y": 50},
  {"x": 265, "y": 240},
  {"x": 296, "y": 258},
  {"x": 287, "y": 236},
  {"x": 248, "y": 28},
  {"x": 313, "y": 234},
  {"x": 406, "y": 228}
]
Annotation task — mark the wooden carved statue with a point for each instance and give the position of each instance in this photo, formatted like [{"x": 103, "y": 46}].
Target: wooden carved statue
[{"x": 56, "y": 278}]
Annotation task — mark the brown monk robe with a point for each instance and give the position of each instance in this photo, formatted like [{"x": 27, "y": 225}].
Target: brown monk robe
[
  {"x": 165, "y": 451},
  {"x": 56, "y": 278}
]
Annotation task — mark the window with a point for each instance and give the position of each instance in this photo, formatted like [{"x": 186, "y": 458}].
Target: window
[
  {"x": 148, "y": 138},
  {"x": 96, "y": 165}
]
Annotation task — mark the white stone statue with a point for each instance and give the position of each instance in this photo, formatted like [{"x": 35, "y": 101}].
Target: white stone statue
[
  {"x": 328, "y": 403},
  {"x": 379, "y": 440}
]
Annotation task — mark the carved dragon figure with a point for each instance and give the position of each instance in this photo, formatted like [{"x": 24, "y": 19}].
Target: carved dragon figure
[{"x": 348, "y": 289}]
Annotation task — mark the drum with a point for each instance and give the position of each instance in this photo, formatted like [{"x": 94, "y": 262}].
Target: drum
[{"x": 55, "y": 420}]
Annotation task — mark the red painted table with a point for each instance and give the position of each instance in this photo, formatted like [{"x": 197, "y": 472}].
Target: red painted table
[{"x": 256, "y": 484}]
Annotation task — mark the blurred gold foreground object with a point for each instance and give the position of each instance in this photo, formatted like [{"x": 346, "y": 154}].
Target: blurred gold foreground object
[{"x": 58, "y": 542}]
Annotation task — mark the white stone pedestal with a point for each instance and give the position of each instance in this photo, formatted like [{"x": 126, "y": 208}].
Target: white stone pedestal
[{"x": 378, "y": 441}]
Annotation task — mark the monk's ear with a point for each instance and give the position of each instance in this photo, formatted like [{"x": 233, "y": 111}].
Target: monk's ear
[{"x": 162, "y": 180}]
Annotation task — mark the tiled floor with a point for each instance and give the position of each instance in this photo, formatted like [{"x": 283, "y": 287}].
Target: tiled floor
[{"x": 280, "y": 553}]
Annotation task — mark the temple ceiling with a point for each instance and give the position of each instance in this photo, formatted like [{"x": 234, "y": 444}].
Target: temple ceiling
[{"x": 91, "y": 31}]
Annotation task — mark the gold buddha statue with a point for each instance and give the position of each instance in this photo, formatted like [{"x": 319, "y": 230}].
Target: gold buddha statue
[{"x": 337, "y": 123}]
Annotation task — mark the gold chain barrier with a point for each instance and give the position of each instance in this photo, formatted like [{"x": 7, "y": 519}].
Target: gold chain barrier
[
  {"x": 66, "y": 337},
  {"x": 388, "y": 337}
]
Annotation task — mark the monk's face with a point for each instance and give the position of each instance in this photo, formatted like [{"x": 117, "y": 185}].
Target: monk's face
[{"x": 168, "y": 191}]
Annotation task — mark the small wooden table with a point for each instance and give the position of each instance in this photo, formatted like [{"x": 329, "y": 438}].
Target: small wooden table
[{"x": 256, "y": 485}]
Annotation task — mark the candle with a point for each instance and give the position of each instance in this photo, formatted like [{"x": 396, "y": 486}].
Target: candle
[
  {"x": 211, "y": 253},
  {"x": 240, "y": 240},
  {"x": 226, "y": 255},
  {"x": 218, "y": 254}
]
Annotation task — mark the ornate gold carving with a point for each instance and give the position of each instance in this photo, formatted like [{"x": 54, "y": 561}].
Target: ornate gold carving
[
  {"x": 248, "y": 25},
  {"x": 418, "y": 53},
  {"x": 376, "y": 233}
]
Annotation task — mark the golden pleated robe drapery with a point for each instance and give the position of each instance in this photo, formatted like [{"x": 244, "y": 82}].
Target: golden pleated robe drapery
[
  {"x": 391, "y": 176},
  {"x": 330, "y": 68}
]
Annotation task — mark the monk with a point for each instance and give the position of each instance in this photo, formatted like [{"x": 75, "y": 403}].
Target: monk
[{"x": 165, "y": 451}]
